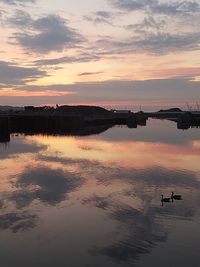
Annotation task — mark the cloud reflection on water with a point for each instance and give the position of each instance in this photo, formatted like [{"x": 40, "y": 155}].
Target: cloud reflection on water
[
  {"x": 47, "y": 185},
  {"x": 139, "y": 230},
  {"x": 19, "y": 145},
  {"x": 18, "y": 221},
  {"x": 116, "y": 183},
  {"x": 153, "y": 176}
]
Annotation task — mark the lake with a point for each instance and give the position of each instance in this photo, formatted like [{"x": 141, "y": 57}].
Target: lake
[{"x": 84, "y": 201}]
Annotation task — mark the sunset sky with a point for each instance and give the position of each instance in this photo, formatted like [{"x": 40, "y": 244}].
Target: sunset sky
[{"x": 113, "y": 53}]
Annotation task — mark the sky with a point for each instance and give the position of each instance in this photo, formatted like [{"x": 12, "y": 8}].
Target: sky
[{"x": 137, "y": 54}]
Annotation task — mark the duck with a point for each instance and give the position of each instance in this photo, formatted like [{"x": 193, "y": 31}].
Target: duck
[
  {"x": 177, "y": 197},
  {"x": 165, "y": 199}
]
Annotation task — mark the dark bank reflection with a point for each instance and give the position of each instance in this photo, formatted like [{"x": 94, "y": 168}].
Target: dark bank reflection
[
  {"x": 49, "y": 125},
  {"x": 136, "y": 131},
  {"x": 52, "y": 125},
  {"x": 99, "y": 197}
]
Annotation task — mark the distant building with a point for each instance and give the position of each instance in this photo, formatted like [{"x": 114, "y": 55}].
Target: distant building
[{"x": 123, "y": 111}]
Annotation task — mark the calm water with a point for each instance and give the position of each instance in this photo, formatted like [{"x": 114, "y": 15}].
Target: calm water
[{"x": 96, "y": 200}]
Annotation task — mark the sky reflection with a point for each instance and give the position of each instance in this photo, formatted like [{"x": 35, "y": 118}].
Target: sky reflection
[{"x": 96, "y": 197}]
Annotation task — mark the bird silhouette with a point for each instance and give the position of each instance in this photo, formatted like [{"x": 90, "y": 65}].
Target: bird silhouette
[
  {"x": 165, "y": 199},
  {"x": 176, "y": 197}
]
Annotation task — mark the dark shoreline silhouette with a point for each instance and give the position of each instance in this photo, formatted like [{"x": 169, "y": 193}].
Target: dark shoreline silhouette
[
  {"x": 65, "y": 120},
  {"x": 83, "y": 120}
]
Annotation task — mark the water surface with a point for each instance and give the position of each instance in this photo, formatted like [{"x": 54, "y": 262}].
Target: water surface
[{"x": 96, "y": 200}]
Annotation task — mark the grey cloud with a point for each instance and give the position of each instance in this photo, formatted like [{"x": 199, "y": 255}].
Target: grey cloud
[
  {"x": 158, "y": 89},
  {"x": 176, "y": 8},
  {"x": 163, "y": 43},
  {"x": 176, "y": 90},
  {"x": 2, "y": 13},
  {"x": 148, "y": 23},
  {"x": 99, "y": 17},
  {"x": 15, "y": 2},
  {"x": 171, "y": 8},
  {"x": 104, "y": 14},
  {"x": 131, "y": 5},
  {"x": 89, "y": 73},
  {"x": 67, "y": 59},
  {"x": 20, "y": 18},
  {"x": 51, "y": 34},
  {"x": 154, "y": 43},
  {"x": 153, "y": 34},
  {"x": 12, "y": 74}
]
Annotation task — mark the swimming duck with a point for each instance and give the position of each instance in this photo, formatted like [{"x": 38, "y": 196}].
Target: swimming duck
[
  {"x": 177, "y": 197},
  {"x": 165, "y": 199}
]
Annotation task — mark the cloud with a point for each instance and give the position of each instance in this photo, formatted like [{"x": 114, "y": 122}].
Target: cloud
[
  {"x": 148, "y": 23},
  {"x": 153, "y": 43},
  {"x": 46, "y": 34},
  {"x": 20, "y": 19},
  {"x": 156, "y": 32},
  {"x": 153, "y": 93},
  {"x": 104, "y": 14},
  {"x": 170, "y": 8},
  {"x": 100, "y": 17},
  {"x": 67, "y": 59},
  {"x": 131, "y": 5},
  {"x": 163, "y": 43},
  {"x": 15, "y": 2},
  {"x": 12, "y": 74},
  {"x": 176, "y": 8},
  {"x": 90, "y": 73}
]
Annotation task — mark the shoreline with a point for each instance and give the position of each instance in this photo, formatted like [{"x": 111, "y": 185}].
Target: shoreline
[{"x": 84, "y": 120}]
